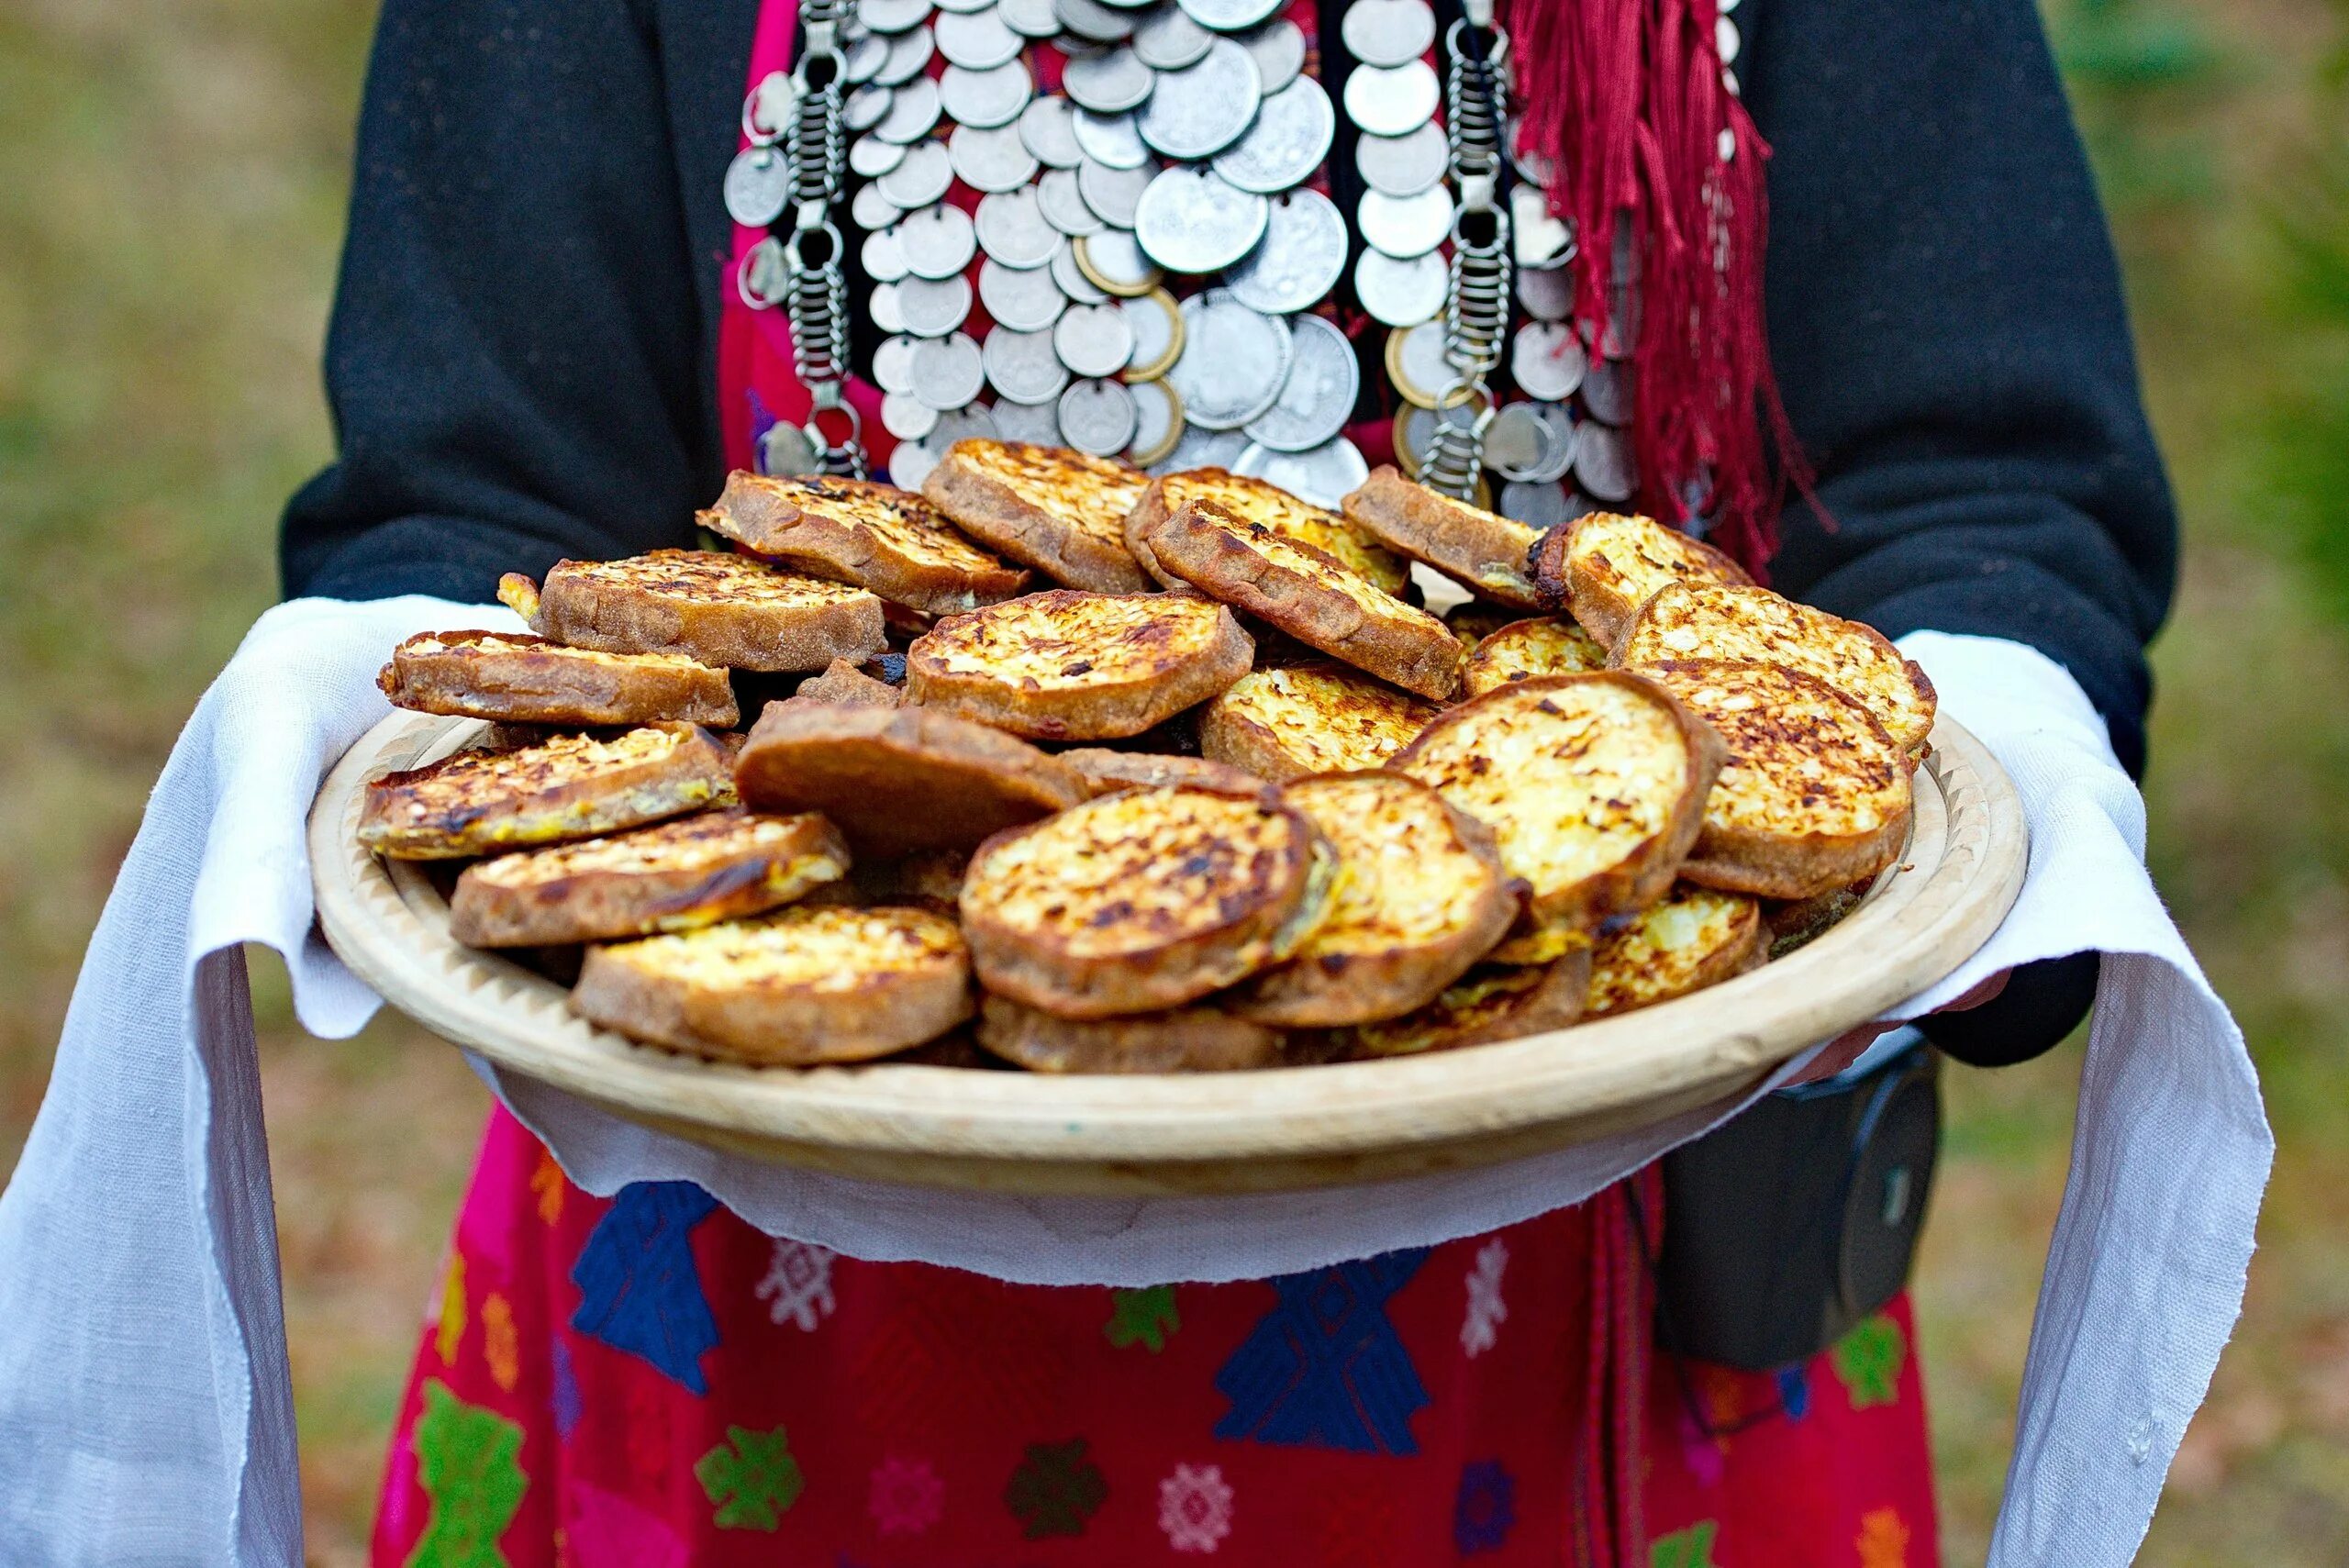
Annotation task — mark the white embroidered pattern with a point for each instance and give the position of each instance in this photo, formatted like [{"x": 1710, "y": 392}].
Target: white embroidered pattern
[
  {"x": 798, "y": 1284},
  {"x": 1486, "y": 1309},
  {"x": 1195, "y": 1508}
]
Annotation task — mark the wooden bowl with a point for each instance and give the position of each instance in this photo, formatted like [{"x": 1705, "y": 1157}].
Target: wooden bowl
[{"x": 1225, "y": 1132}]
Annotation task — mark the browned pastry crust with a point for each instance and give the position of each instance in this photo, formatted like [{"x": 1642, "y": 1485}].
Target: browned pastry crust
[
  {"x": 558, "y": 790},
  {"x": 1602, "y": 566},
  {"x": 1059, "y": 511},
  {"x": 1308, "y": 594},
  {"x": 723, "y": 609},
  {"x": 690, "y": 872},
  {"x": 898, "y": 779},
  {"x": 860, "y": 531},
  {"x": 518, "y": 678},
  {"x": 1108, "y": 772},
  {"x": 1483, "y": 552},
  {"x": 798, "y": 987},
  {"x": 1310, "y": 719},
  {"x": 1543, "y": 645},
  {"x": 1490, "y": 1003},
  {"x": 844, "y": 686},
  {"x": 1202, "y": 1038},
  {"x": 1260, "y": 501},
  {"x": 1696, "y": 937}
]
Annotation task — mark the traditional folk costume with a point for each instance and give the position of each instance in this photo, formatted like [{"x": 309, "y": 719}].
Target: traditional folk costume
[{"x": 598, "y": 259}]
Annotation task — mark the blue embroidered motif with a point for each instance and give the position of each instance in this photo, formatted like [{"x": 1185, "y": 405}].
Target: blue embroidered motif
[
  {"x": 1325, "y": 1368},
  {"x": 761, "y": 421},
  {"x": 1794, "y": 1391},
  {"x": 565, "y": 1397},
  {"x": 1485, "y": 1509},
  {"x": 639, "y": 1289}
]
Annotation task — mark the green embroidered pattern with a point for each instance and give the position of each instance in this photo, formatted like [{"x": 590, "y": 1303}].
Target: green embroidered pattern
[
  {"x": 751, "y": 1477},
  {"x": 1143, "y": 1318},
  {"x": 1055, "y": 1489},
  {"x": 1868, "y": 1361},
  {"x": 466, "y": 1463},
  {"x": 1691, "y": 1548}
]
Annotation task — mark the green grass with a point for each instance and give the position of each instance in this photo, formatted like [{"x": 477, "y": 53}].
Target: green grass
[{"x": 175, "y": 171}]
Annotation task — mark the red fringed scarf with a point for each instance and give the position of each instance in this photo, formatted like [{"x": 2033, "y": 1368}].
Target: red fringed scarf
[{"x": 1626, "y": 101}]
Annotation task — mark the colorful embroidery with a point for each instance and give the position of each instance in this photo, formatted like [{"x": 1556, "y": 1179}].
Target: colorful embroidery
[
  {"x": 1868, "y": 1360},
  {"x": 751, "y": 1477},
  {"x": 1884, "y": 1540},
  {"x": 651, "y": 1455},
  {"x": 1480, "y": 1327},
  {"x": 1055, "y": 1490},
  {"x": 497, "y": 1342},
  {"x": 1195, "y": 1508},
  {"x": 547, "y": 1182},
  {"x": 1143, "y": 1318},
  {"x": 449, "y": 1327},
  {"x": 798, "y": 1284},
  {"x": 1691, "y": 1548},
  {"x": 1325, "y": 1367},
  {"x": 565, "y": 1397},
  {"x": 906, "y": 1497},
  {"x": 604, "y": 1529},
  {"x": 1484, "y": 1510},
  {"x": 639, "y": 1289},
  {"x": 466, "y": 1463}
]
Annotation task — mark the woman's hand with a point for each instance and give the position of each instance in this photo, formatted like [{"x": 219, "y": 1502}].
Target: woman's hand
[{"x": 1845, "y": 1049}]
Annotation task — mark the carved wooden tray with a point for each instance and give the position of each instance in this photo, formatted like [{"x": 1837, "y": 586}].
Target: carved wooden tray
[{"x": 1222, "y": 1132}]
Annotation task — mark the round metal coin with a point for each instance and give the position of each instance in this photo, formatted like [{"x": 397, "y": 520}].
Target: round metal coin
[
  {"x": 870, "y": 158},
  {"x": 1012, "y": 229},
  {"x": 1157, "y": 323},
  {"x": 1387, "y": 33},
  {"x": 872, "y": 208},
  {"x": 1405, "y": 226},
  {"x": 893, "y": 363},
  {"x": 1404, "y": 165},
  {"x": 908, "y": 58},
  {"x": 1092, "y": 339},
  {"x": 1158, "y": 422},
  {"x": 1048, "y": 130},
  {"x": 1194, "y": 220},
  {"x": 1278, "y": 50},
  {"x": 1099, "y": 416},
  {"x": 758, "y": 187},
  {"x": 938, "y": 241},
  {"x": 1388, "y": 100},
  {"x": 1301, "y": 259},
  {"x": 987, "y": 98},
  {"x": 963, "y": 5},
  {"x": 867, "y": 107},
  {"x": 865, "y": 57},
  {"x": 932, "y": 307},
  {"x": 763, "y": 275},
  {"x": 1022, "y": 367},
  {"x": 1318, "y": 395},
  {"x": 924, "y": 175},
  {"x": 1607, "y": 392},
  {"x": 1020, "y": 299},
  {"x": 1547, "y": 361},
  {"x": 884, "y": 257},
  {"x": 1199, "y": 111},
  {"x": 1234, "y": 362},
  {"x": 1113, "y": 193},
  {"x": 978, "y": 41},
  {"x": 1324, "y": 476},
  {"x": 1109, "y": 83},
  {"x": 770, "y": 108},
  {"x": 1417, "y": 366},
  {"x": 1110, "y": 140},
  {"x": 1520, "y": 445},
  {"x": 1167, "y": 40},
  {"x": 1535, "y": 504},
  {"x": 911, "y": 463},
  {"x": 1115, "y": 263},
  {"x": 907, "y": 418},
  {"x": 1030, "y": 19},
  {"x": 948, "y": 372},
  {"x": 975, "y": 423},
  {"x": 1091, "y": 19},
  {"x": 1603, "y": 463},
  {"x": 1068, "y": 276},
  {"x": 882, "y": 304},
  {"x": 1229, "y": 15},
  {"x": 991, "y": 159},
  {"x": 1196, "y": 448},
  {"x": 1289, "y": 141},
  {"x": 892, "y": 15},
  {"x": 1547, "y": 293},
  {"x": 1038, "y": 424},
  {"x": 1400, "y": 293},
  {"x": 1063, "y": 208},
  {"x": 913, "y": 110},
  {"x": 1538, "y": 237}
]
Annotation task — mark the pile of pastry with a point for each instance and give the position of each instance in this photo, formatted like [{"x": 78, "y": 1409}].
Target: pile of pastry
[{"x": 1059, "y": 765}]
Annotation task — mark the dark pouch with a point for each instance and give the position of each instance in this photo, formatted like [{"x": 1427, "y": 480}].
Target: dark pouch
[{"x": 1799, "y": 1217}]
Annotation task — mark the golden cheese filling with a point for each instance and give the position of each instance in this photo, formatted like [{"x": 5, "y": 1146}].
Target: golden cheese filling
[
  {"x": 1405, "y": 879},
  {"x": 687, "y": 846},
  {"x": 827, "y": 949},
  {"x": 1088, "y": 493},
  {"x": 1803, "y": 757},
  {"x": 1663, "y": 952},
  {"x": 1260, "y": 501},
  {"x": 702, "y": 576},
  {"x": 1070, "y": 640},
  {"x": 487, "y": 644},
  {"x": 906, "y": 523},
  {"x": 1522, "y": 649},
  {"x": 1641, "y": 554},
  {"x": 1330, "y": 721}
]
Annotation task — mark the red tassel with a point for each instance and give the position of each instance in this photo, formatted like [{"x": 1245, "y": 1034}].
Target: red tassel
[
  {"x": 1626, "y": 101},
  {"x": 1608, "y": 1524}
]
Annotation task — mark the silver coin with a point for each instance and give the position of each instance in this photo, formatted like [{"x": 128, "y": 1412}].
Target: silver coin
[
  {"x": 1092, "y": 339},
  {"x": 1110, "y": 140},
  {"x": 1400, "y": 293},
  {"x": 1725, "y": 38},
  {"x": 758, "y": 187},
  {"x": 1091, "y": 19},
  {"x": 932, "y": 307},
  {"x": 938, "y": 241},
  {"x": 1109, "y": 83},
  {"x": 1532, "y": 167},
  {"x": 881, "y": 304},
  {"x": 1118, "y": 261},
  {"x": 763, "y": 275},
  {"x": 1154, "y": 319},
  {"x": 867, "y": 107},
  {"x": 1071, "y": 279},
  {"x": 912, "y": 461},
  {"x": 1387, "y": 32},
  {"x": 1405, "y": 226},
  {"x": 1607, "y": 392},
  {"x": 948, "y": 372},
  {"x": 1318, "y": 398},
  {"x": 1388, "y": 100},
  {"x": 1538, "y": 238},
  {"x": 924, "y": 175},
  {"x": 991, "y": 159},
  {"x": 1406, "y": 164},
  {"x": 893, "y": 363},
  {"x": 1562, "y": 421},
  {"x": 1038, "y": 424},
  {"x": 1324, "y": 476},
  {"x": 787, "y": 448},
  {"x": 1421, "y": 364},
  {"x": 913, "y": 110},
  {"x": 1099, "y": 416},
  {"x": 1012, "y": 229},
  {"x": 1523, "y": 446},
  {"x": 1547, "y": 293},
  {"x": 1234, "y": 361},
  {"x": 770, "y": 108},
  {"x": 1289, "y": 141},
  {"x": 872, "y": 208},
  {"x": 1030, "y": 19},
  {"x": 1048, "y": 130},
  {"x": 1063, "y": 209},
  {"x": 865, "y": 57},
  {"x": 1547, "y": 361},
  {"x": 963, "y": 5},
  {"x": 908, "y": 58},
  {"x": 1278, "y": 50},
  {"x": 977, "y": 40},
  {"x": 1199, "y": 448},
  {"x": 1229, "y": 15},
  {"x": 874, "y": 159},
  {"x": 907, "y": 418},
  {"x": 1167, "y": 40},
  {"x": 1194, "y": 220},
  {"x": 975, "y": 423},
  {"x": 884, "y": 257},
  {"x": 1020, "y": 299},
  {"x": 1158, "y": 415},
  {"x": 1603, "y": 463},
  {"x": 1022, "y": 367},
  {"x": 892, "y": 15},
  {"x": 987, "y": 98},
  {"x": 1113, "y": 193},
  {"x": 1301, "y": 259},
  {"x": 1536, "y": 505},
  {"x": 1199, "y": 111}
]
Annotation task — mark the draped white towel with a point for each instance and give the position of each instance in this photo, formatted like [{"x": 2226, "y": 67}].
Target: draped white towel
[{"x": 145, "y": 1410}]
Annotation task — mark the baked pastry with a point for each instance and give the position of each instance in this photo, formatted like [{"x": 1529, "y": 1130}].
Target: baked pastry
[
  {"x": 516, "y": 678},
  {"x": 1198, "y": 1039},
  {"x": 1062, "y": 512},
  {"x": 845, "y": 686},
  {"x": 1108, "y": 772},
  {"x": 1544, "y": 645},
  {"x": 1260, "y": 501},
  {"x": 1310, "y": 719},
  {"x": 1492, "y": 1002},
  {"x": 1070, "y": 665},
  {"x": 857, "y": 530},
  {"x": 1696, "y": 938},
  {"x": 1483, "y": 552},
  {"x": 722, "y": 609},
  {"x": 1601, "y": 568}
]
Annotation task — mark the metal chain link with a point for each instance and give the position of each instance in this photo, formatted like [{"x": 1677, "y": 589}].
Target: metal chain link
[{"x": 1477, "y": 292}]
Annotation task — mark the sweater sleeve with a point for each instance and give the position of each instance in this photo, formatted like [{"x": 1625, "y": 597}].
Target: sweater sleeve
[
  {"x": 517, "y": 361},
  {"x": 1946, "y": 320}
]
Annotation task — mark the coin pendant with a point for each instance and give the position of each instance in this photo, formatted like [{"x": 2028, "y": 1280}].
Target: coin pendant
[
  {"x": 907, "y": 418},
  {"x": 1063, "y": 207},
  {"x": 1030, "y": 18},
  {"x": 1234, "y": 361},
  {"x": 932, "y": 307},
  {"x": 1199, "y": 111},
  {"x": 1109, "y": 83},
  {"x": 938, "y": 241},
  {"x": 911, "y": 463},
  {"x": 1535, "y": 504},
  {"x": 1068, "y": 275},
  {"x": 922, "y": 176},
  {"x": 1603, "y": 463},
  {"x": 1199, "y": 448},
  {"x": 1324, "y": 476},
  {"x": 1099, "y": 416},
  {"x": 1113, "y": 193},
  {"x": 1387, "y": 32},
  {"x": 1405, "y": 226},
  {"x": 893, "y": 364},
  {"x": 1317, "y": 398},
  {"x": 1093, "y": 341},
  {"x": 1607, "y": 392},
  {"x": 1167, "y": 40},
  {"x": 1520, "y": 444},
  {"x": 1278, "y": 50},
  {"x": 1048, "y": 130},
  {"x": 1394, "y": 99},
  {"x": 1547, "y": 361},
  {"x": 1091, "y": 19},
  {"x": 1115, "y": 264},
  {"x": 1038, "y": 424},
  {"x": 977, "y": 40},
  {"x": 1400, "y": 293},
  {"x": 1022, "y": 367},
  {"x": 1547, "y": 294},
  {"x": 908, "y": 57},
  {"x": 1417, "y": 364},
  {"x": 892, "y": 15},
  {"x": 913, "y": 110},
  {"x": 1012, "y": 228},
  {"x": 1301, "y": 259},
  {"x": 991, "y": 160},
  {"x": 948, "y": 372},
  {"x": 1288, "y": 141},
  {"x": 872, "y": 209},
  {"x": 1194, "y": 220},
  {"x": 758, "y": 187},
  {"x": 987, "y": 98},
  {"x": 1110, "y": 140},
  {"x": 1158, "y": 422},
  {"x": 1157, "y": 324},
  {"x": 1229, "y": 15},
  {"x": 1020, "y": 299},
  {"x": 884, "y": 257}
]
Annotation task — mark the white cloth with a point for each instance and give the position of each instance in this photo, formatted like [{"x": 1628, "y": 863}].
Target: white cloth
[{"x": 145, "y": 1415}]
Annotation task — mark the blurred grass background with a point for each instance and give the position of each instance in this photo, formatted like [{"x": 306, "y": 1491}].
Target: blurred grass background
[{"x": 175, "y": 171}]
